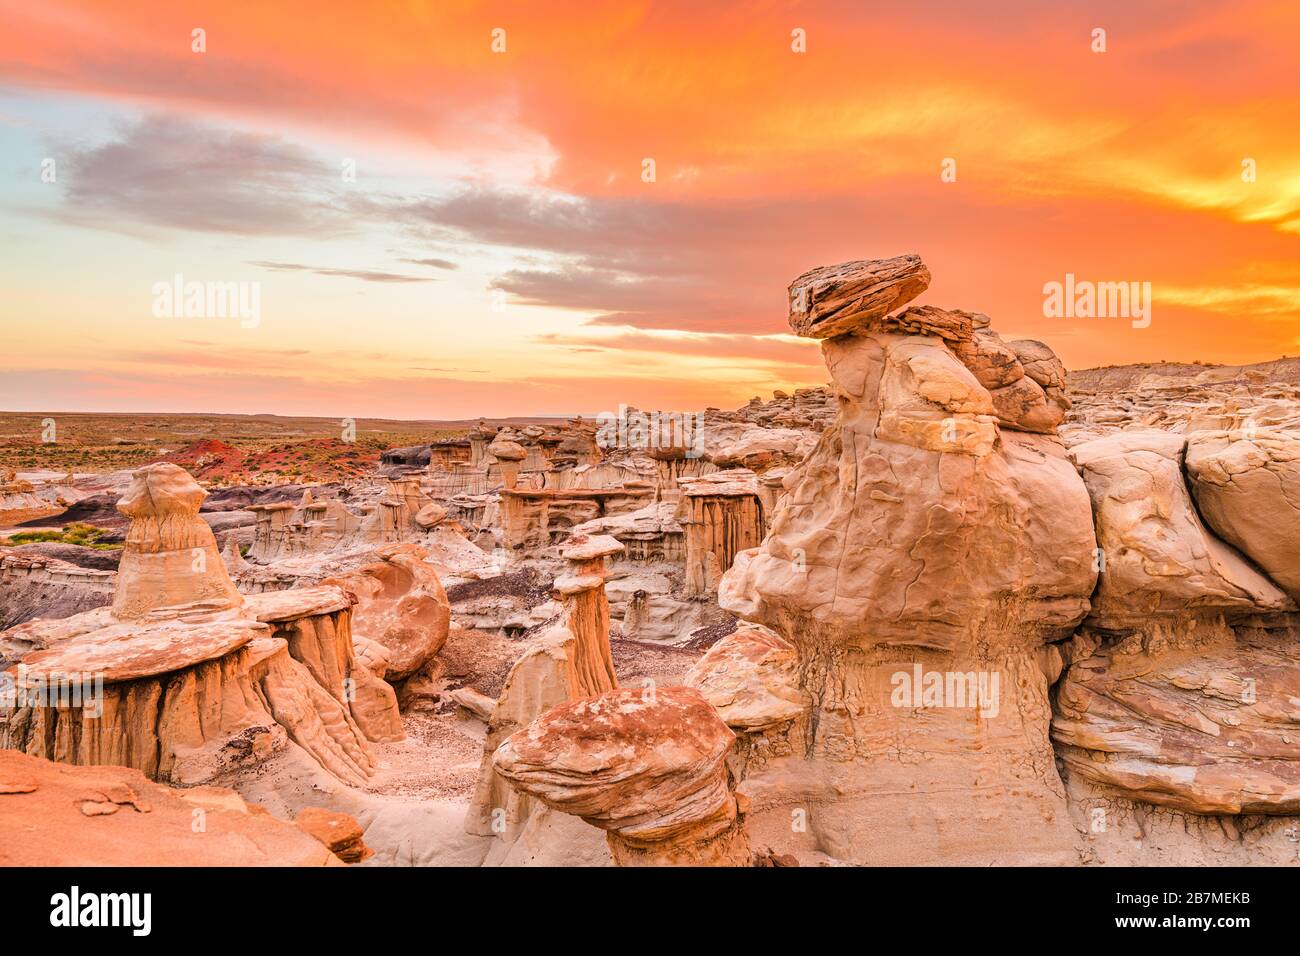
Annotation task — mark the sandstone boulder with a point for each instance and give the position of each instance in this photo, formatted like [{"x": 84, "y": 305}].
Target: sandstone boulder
[
  {"x": 1156, "y": 557},
  {"x": 1247, "y": 487},
  {"x": 750, "y": 677},
  {"x": 646, "y": 766},
  {"x": 832, "y": 300},
  {"x": 401, "y": 605}
]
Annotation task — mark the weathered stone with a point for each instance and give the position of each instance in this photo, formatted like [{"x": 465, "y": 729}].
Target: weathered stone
[
  {"x": 833, "y": 300},
  {"x": 646, "y": 766}
]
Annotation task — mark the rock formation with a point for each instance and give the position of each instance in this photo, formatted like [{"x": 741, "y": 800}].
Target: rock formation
[
  {"x": 920, "y": 543},
  {"x": 722, "y": 516},
  {"x": 834, "y": 300},
  {"x": 1246, "y": 488},
  {"x": 341, "y": 834},
  {"x": 401, "y": 605},
  {"x": 185, "y": 679},
  {"x": 569, "y": 660},
  {"x": 56, "y": 815},
  {"x": 170, "y": 555},
  {"x": 991, "y": 614},
  {"x": 1180, "y": 683},
  {"x": 648, "y": 767}
]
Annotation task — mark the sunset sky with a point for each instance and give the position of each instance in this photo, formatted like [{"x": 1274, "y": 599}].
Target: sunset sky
[{"x": 499, "y": 251}]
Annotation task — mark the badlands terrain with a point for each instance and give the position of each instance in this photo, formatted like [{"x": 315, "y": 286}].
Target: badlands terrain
[{"x": 957, "y": 607}]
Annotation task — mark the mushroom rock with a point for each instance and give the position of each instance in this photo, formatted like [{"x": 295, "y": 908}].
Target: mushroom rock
[
  {"x": 508, "y": 453},
  {"x": 401, "y": 605},
  {"x": 831, "y": 300},
  {"x": 1247, "y": 488},
  {"x": 170, "y": 555},
  {"x": 648, "y": 767},
  {"x": 921, "y": 563},
  {"x": 568, "y": 660},
  {"x": 203, "y": 685},
  {"x": 479, "y": 437},
  {"x": 586, "y": 607},
  {"x": 114, "y": 816}
]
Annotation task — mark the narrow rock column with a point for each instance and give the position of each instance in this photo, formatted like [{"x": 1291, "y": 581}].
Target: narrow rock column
[
  {"x": 508, "y": 454},
  {"x": 648, "y": 767},
  {"x": 587, "y": 608},
  {"x": 722, "y": 515}
]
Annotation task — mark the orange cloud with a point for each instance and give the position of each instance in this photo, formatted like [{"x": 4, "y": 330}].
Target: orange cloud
[{"x": 1171, "y": 158}]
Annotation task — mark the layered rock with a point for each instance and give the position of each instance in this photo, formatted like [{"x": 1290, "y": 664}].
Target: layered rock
[
  {"x": 170, "y": 555},
  {"x": 187, "y": 698},
  {"x": 1201, "y": 718},
  {"x": 832, "y": 300},
  {"x": 648, "y": 767},
  {"x": 920, "y": 542},
  {"x": 208, "y": 683},
  {"x": 1180, "y": 688},
  {"x": 338, "y": 832},
  {"x": 1029, "y": 394}
]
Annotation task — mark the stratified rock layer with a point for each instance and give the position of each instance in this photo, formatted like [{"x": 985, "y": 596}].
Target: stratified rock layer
[
  {"x": 646, "y": 766},
  {"x": 919, "y": 541},
  {"x": 831, "y": 300},
  {"x": 1191, "y": 717}
]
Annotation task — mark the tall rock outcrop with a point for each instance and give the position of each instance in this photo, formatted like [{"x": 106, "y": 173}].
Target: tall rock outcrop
[
  {"x": 922, "y": 563},
  {"x": 170, "y": 555},
  {"x": 569, "y": 660}
]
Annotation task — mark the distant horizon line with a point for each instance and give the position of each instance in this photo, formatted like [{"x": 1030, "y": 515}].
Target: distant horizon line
[{"x": 546, "y": 415}]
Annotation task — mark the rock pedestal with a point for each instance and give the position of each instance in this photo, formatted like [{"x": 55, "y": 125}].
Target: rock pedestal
[
  {"x": 170, "y": 555},
  {"x": 569, "y": 660},
  {"x": 648, "y": 767},
  {"x": 208, "y": 683},
  {"x": 921, "y": 563}
]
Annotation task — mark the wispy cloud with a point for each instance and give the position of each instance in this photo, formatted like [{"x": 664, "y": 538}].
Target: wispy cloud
[
  {"x": 365, "y": 275},
  {"x": 172, "y": 172}
]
